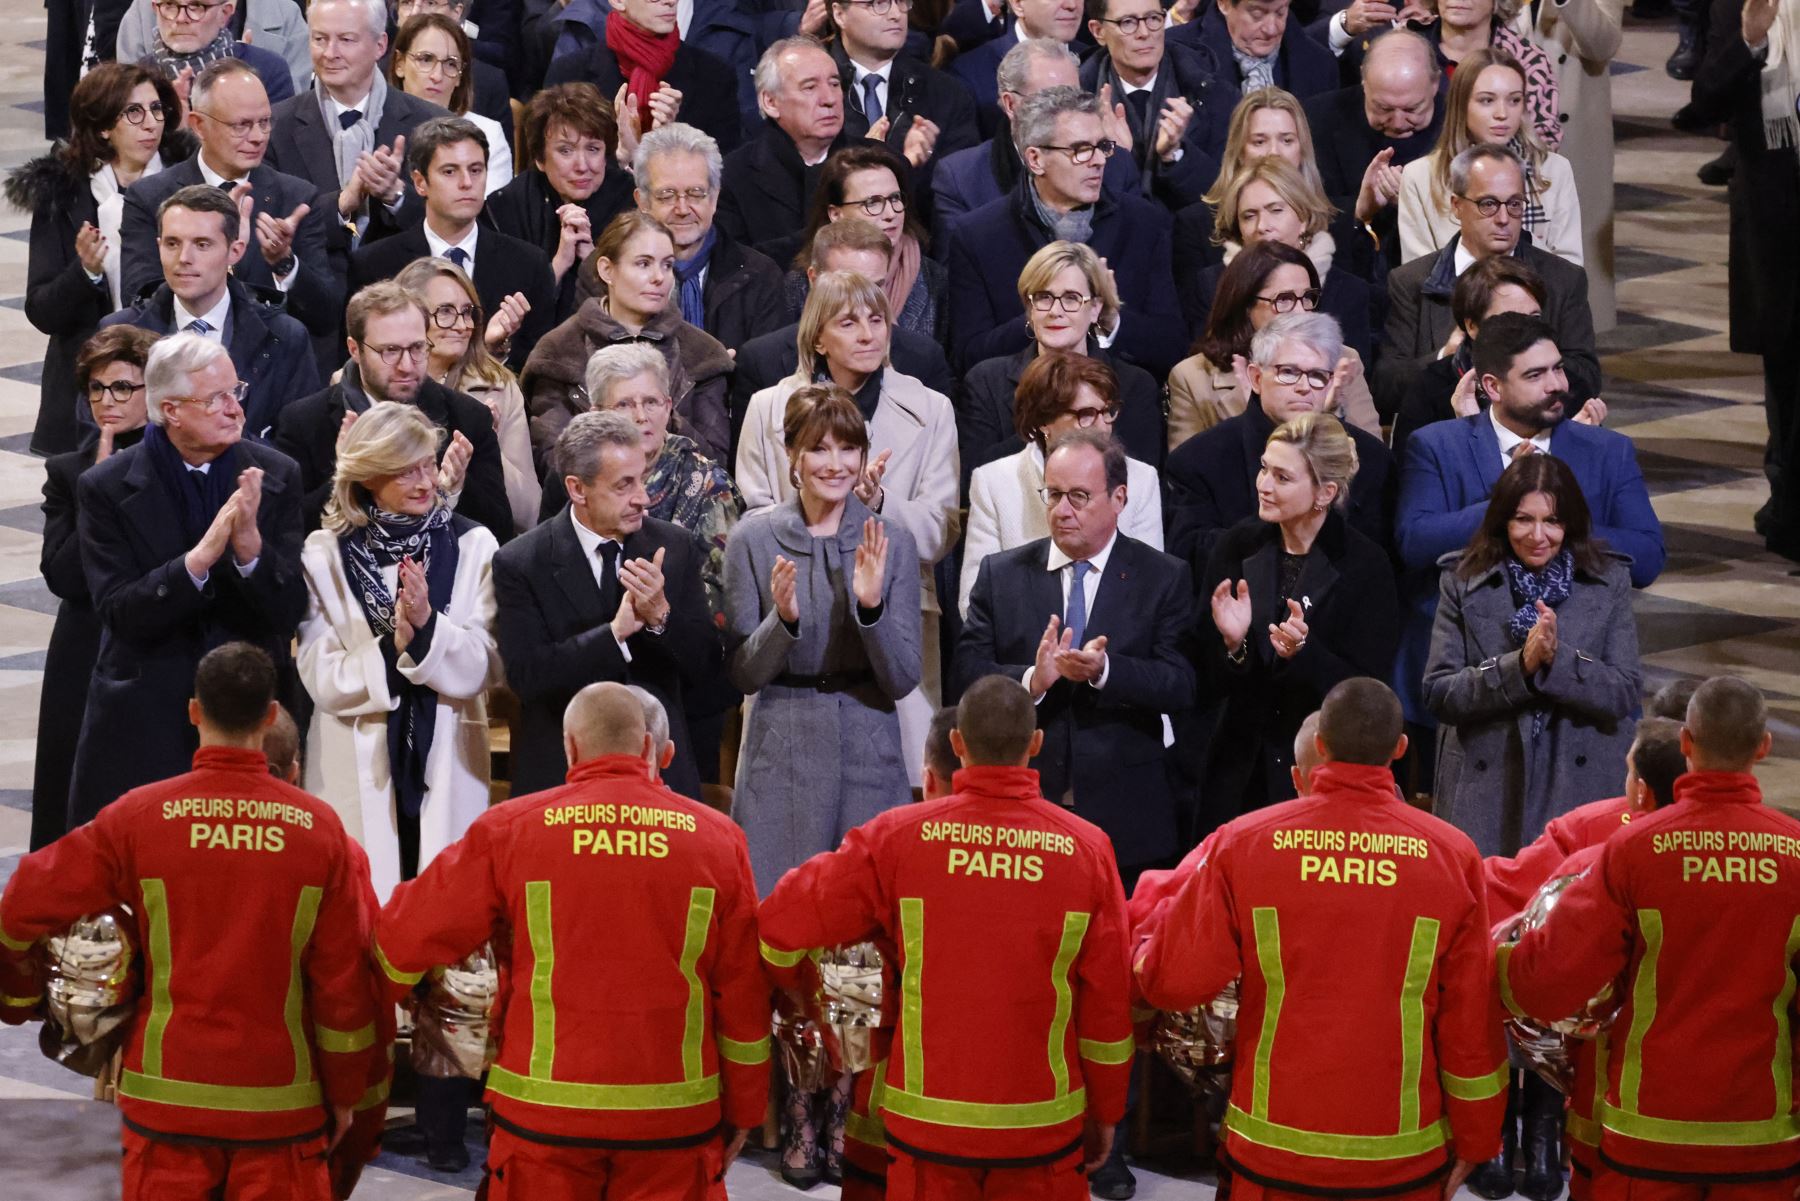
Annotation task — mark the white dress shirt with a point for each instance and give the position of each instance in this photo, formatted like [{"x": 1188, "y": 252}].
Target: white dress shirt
[
  {"x": 1064, "y": 568},
  {"x": 439, "y": 248},
  {"x": 882, "y": 90},
  {"x": 214, "y": 179},
  {"x": 1508, "y": 440},
  {"x": 215, "y": 317},
  {"x": 590, "y": 547}
]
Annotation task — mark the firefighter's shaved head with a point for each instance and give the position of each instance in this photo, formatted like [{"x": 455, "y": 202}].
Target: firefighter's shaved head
[
  {"x": 1306, "y": 754},
  {"x": 234, "y": 695},
  {"x": 1727, "y": 726},
  {"x": 996, "y": 724},
  {"x": 605, "y": 719},
  {"x": 656, "y": 724},
  {"x": 1361, "y": 722}
]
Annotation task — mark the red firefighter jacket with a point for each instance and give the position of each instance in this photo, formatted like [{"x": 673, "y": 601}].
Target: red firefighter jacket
[
  {"x": 1698, "y": 905},
  {"x": 257, "y": 1008},
  {"x": 1009, "y": 920},
  {"x": 1512, "y": 881},
  {"x": 634, "y": 1008},
  {"x": 1368, "y": 1030}
]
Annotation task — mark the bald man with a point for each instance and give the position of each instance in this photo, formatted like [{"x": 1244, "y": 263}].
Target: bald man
[
  {"x": 634, "y": 1051},
  {"x": 1696, "y": 910}
]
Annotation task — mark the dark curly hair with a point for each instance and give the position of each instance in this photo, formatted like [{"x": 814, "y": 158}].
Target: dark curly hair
[{"x": 98, "y": 102}]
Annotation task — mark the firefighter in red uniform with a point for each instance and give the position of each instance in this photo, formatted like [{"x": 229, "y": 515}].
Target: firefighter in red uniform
[
  {"x": 1651, "y": 767},
  {"x": 1697, "y": 907},
  {"x": 1009, "y": 919},
  {"x": 634, "y": 1029},
  {"x": 255, "y": 1033},
  {"x": 1369, "y": 1056}
]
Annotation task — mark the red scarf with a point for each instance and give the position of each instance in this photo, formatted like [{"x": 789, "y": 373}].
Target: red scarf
[{"x": 644, "y": 58}]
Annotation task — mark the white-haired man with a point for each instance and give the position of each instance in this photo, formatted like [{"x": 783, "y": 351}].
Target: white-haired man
[{"x": 769, "y": 181}]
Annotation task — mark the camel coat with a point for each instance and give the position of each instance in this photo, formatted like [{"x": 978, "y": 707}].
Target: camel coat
[
  {"x": 1201, "y": 396},
  {"x": 341, "y": 665}
]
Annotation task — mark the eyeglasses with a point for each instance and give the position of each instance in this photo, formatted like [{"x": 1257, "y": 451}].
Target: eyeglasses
[
  {"x": 1487, "y": 206},
  {"x": 429, "y": 62},
  {"x": 186, "y": 10},
  {"x": 241, "y": 129},
  {"x": 874, "y": 206},
  {"x": 1129, "y": 25},
  {"x": 694, "y": 196},
  {"x": 1287, "y": 302},
  {"x": 881, "y": 8},
  {"x": 218, "y": 400},
  {"x": 1078, "y": 499},
  {"x": 1086, "y": 418},
  {"x": 1070, "y": 302},
  {"x": 1287, "y": 375},
  {"x": 428, "y": 6},
  {"x": 447, "y": 316},
  {"x": 642, "y": 406},
  {"x": 118, "y": 392},
  {"x": 1082, "y": 153},
  {"x": 137, "y": 114},
  {"x": 391, "y": 354}
]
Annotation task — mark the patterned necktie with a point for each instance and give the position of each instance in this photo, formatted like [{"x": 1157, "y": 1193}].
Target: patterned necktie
[
  {"x": 871, "y": 86},
  {"x": 459, "y": 256},
  {"x": 349, "y": 117},
  {"x": 609, "y": 579},
  {"x": 199, "y": 326},
  {"x": 1075, "y": 612}
]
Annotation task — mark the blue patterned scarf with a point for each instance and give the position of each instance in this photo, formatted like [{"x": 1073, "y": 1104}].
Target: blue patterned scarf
[
  {"x": 693, "y": 287},
  {"x": 1551, "y": 585}
]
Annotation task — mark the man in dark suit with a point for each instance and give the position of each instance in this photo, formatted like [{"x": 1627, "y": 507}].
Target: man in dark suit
[
  {"x": 449, "y": 172},
  {"x": 1256, "y": 44},
  {"x": 724, "y": 287},
  {"x": 1419, "y": 325},
  {"x": 1212, "y": 476},
  {"x": 648, "y": 28},
  {"x": 229, "y": 110},
  {"x": 1112, "y": 658},
  {"x": 1451, "y": 468},
  {"x": 200, "y": 234},
  {"x": 1057, "y": 20},
  {"x": 1398, "y": 108},
  {"x": 603, "y": 592},
  {"x": 348, "y": 135},
  {"x": 769, "y": 181},
  {"x": 1059, "y": 197},
  {"x": 1175, "y": 111},
  {"x": 189, "y": 37},
  {"x": 387, "y": 330},
  {"x": 189, "y": 540},
  {"x": 881, "y": 80}
]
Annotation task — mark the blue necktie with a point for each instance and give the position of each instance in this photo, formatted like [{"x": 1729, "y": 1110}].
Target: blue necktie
[
  {"x": 459, "y": 256},
  {"x": 197, "y": 326},
  {"x": 349, "y": 117},
  {"x": 1075, "y": 614},
  {"x": 871, "y": 86}
]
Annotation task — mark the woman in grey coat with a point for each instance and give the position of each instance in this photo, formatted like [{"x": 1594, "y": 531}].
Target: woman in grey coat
[
  {"x": 1534, "y": 663},
  {"x": 821, "y": 749}
]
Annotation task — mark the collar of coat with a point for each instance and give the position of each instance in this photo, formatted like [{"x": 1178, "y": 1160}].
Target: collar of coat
[
  {"x": 1496, "y": 575},
  {"x": 609, "y": 767},
  {"x": 1025, "y": 211},
  {"x": 996, "y": 783},
  {"x": 788, "y": 523},
  {"x": 1442, "y": 280},
  {"x": 1333, "y": 781},
  {"x": 1719, "y": 788}
]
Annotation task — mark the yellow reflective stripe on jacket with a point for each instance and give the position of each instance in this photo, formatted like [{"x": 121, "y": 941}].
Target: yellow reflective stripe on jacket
[
  {"x": 693, "y": 945},
  {"x": 1110, "y": 1053},
  {"x": 982, "y": 1115},
  {"x": 1585, "y": 1131},
  {"x": 868, "y": 1128},
  {"x": 1781, "y": 1129},
  {"x": 1419, "y": 961},
  {"x": 912, "y": 1013},
  {"x": 681, "y": 1094},
  {"x": 375, "y": 1095},
  {"x": 408, "y": 979},
  {"x": 1363, "y": 1147},
  {"x": 344, "y": 1042},
  {"x": 1783, "y": 1066},
  {"x": 1475, "y": 1088},
  {"x": 20, "y": 1002},
  {"x": 237, "y": 1098},
  {"x": 1643, "y": 1009},
  {"x": 1503, "y": 969},
  {"x": 156, "y": 955},
  {"x": 1268, "y": 960},
  {"x": 780, "y": 958},
  {"x": 750, "y": 1054},
  {"x": 306, "y": 915},
  {"x": 1075, "y": 927},
  {"x": 11, "y": 943},
  {"x": 543, "y": 963}
]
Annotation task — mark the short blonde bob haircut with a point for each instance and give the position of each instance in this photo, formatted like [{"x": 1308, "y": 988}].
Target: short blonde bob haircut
[
  {"x": 1329, "y": 453},
  {"x": 834, "y": 294},
  {"x": 1238, "y": 135},
  {"x": 1042, "y": 267},
  {"x": 1286, "y": 181},
  {"x": 386, "y": 440}
]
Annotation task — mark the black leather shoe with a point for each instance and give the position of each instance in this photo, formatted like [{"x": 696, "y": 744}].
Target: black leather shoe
[
  {"x": 1542, "y": 1120},
  {"x": 1112, "y": 1180},
  {"x": 1686, "y": 59},
  {"x": 1719, "y": 171},
  {"x": 803, "y": 1179},
  {"x": 449, "y": 1160},
  {"x": 1493, "y": 1179}
]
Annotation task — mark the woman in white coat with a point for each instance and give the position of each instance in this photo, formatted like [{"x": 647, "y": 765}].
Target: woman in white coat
[
  {"x": 1058, "y": 392},
  {"x": 911, "y": 476},
  {"x": 397, "y": 649}
]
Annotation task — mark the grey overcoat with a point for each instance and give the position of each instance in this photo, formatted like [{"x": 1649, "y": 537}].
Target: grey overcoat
[{"x": 1495, "y": 782}]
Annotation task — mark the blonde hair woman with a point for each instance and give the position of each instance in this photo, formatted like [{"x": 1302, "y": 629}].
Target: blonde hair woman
[
  {"x": 456, "y": 330},
  {"x": 1487, "y": 104},
  {"x": 910, "y": 475},
  {"x": 397, "y": 648}
]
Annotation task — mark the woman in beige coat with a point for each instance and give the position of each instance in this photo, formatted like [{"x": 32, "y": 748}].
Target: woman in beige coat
[{"x": 911, "y": 477}]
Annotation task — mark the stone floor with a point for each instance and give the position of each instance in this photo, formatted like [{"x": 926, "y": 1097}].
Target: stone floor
[{"x": 1692, "y": 407}]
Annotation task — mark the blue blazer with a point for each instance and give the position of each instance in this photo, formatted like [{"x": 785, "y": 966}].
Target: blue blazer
[
  {"x": 1445, "y": 481},
  {"x": 976, "y": 69},
  {"x": 1304, "y": 67},
  {"x": 270, "y": 67}
]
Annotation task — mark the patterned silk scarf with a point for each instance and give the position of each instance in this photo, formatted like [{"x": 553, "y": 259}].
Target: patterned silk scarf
[{"x": 1551, "y": 585}]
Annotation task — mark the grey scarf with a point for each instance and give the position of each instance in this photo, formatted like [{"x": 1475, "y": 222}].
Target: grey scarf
[
  {"x": 1075, "y": 225},
  {"x": 1257, "y": 72},
  {"x": 350, "y": 144},
  {"x": 170, "y": 64}
]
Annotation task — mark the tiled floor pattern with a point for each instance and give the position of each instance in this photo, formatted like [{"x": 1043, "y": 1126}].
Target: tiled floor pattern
[{"x": 1692, "y": 407}]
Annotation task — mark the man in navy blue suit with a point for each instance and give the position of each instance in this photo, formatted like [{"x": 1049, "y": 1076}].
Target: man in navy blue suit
[
  {"x": 1058, "y": 20},
  {"x": 1451, "y": 467},
  {"x": 1256, "y": 45}
]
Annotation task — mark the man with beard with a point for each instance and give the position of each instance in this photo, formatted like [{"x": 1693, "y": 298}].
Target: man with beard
[{"x": 1451, "y": 467}]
